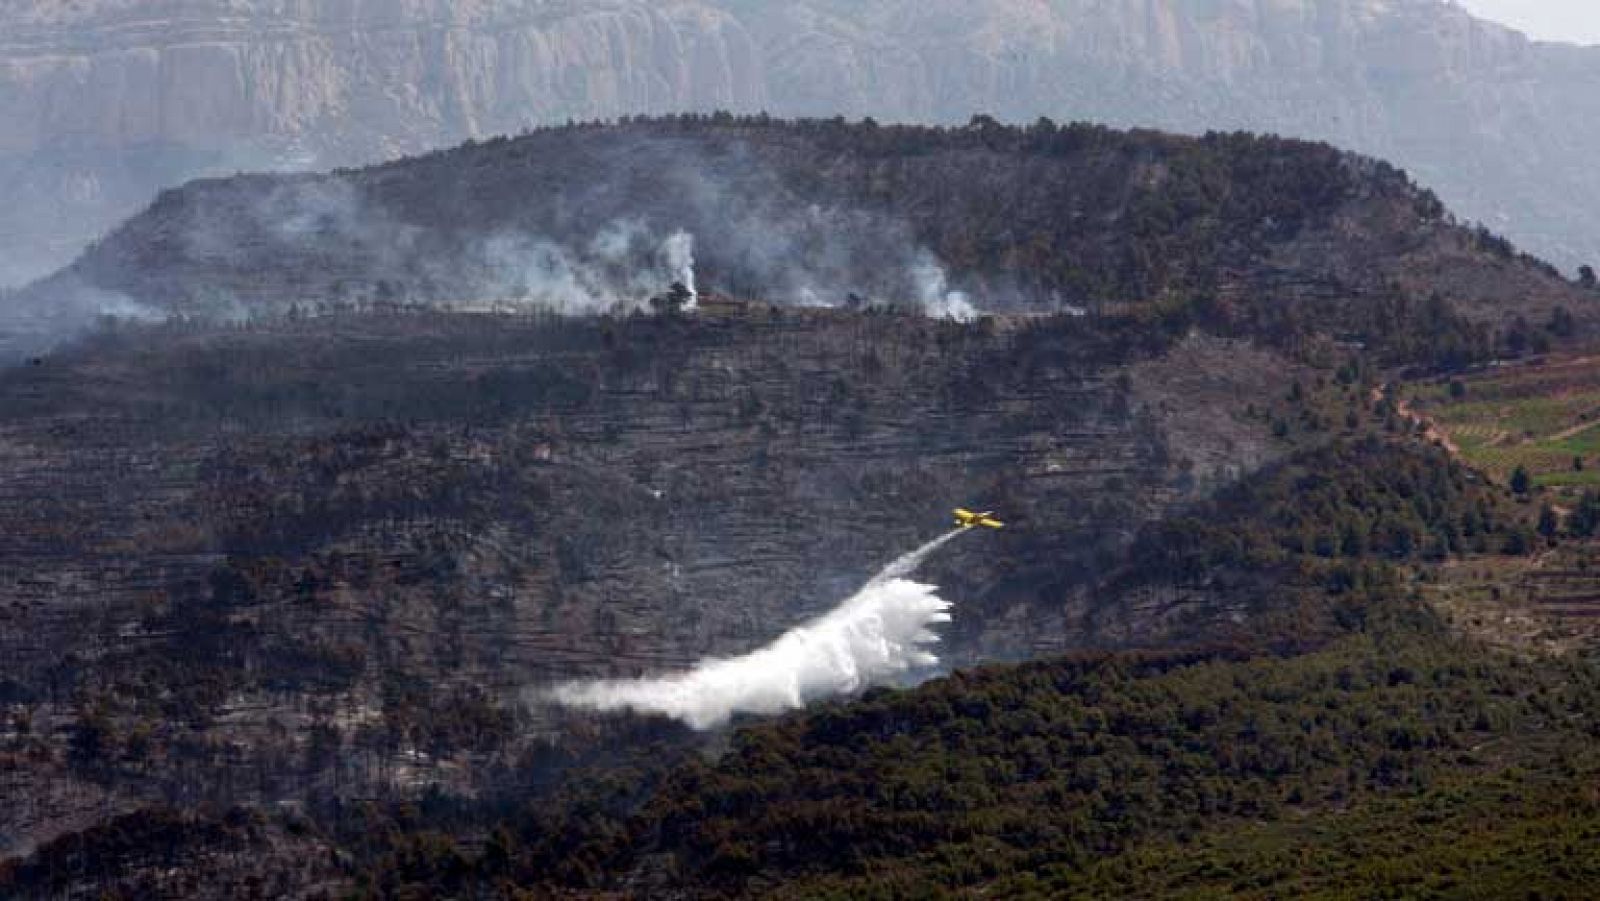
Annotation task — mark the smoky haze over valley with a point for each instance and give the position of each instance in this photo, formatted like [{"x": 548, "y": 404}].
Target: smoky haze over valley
[{"x": 106, "y": 102}]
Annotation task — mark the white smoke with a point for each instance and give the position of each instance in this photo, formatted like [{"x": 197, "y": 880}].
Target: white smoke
[
  {"x": 933, "y": 290},
  {"x": 109, "y": 305},
  {"x": 32, "y": 324},
  {"x": 679, "y": 251},
  {"x": 620, "y": 268},
  {"x": 882, "y": 631}
]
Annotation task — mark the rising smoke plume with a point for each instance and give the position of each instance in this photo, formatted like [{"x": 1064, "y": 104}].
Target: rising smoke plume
[
  {"x": 578, "y": 227},
  {"x": 619, "y": 269},
  {"x": 34, "y": 324},
  {"x": 883, "y": 631},
  {"x": 679, "y": 249}
]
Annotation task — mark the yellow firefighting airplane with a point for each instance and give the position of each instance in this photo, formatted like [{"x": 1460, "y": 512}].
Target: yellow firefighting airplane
[{"x": 969, "y": 519}]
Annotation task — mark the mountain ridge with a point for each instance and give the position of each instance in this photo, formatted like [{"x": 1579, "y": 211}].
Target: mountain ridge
[
  {"x": 1470, "y": 107},
  {"x": 1271, "y": 236}
]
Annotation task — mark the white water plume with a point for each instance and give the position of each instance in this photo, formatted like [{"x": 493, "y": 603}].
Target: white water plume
[{"x": 883, "y": 630}]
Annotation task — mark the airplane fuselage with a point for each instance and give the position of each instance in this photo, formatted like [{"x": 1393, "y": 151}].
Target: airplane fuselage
[{"x": 969, "y": 519}]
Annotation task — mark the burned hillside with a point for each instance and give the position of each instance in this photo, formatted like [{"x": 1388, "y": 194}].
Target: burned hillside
[
  {"x": 345, "y": 527},
  {"x": 1281, "y": 238},
  {"x": 370, "y": 462}
]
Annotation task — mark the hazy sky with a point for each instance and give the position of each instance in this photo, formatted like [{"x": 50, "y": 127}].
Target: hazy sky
[{"x": 1576, "y": 21}]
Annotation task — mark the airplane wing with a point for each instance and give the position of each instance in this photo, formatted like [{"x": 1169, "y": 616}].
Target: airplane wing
[{"x": 968, "y": 518}]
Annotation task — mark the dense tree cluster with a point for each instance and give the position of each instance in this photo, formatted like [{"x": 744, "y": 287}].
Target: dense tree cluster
[
  {"x": 1366, "y": 499},
  {"x": 1039, "y": 775}
]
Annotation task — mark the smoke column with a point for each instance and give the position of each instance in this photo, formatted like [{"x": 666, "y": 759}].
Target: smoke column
[
  {"x": 679, "y": 251},
  {"x": 883, "y": 630},
  {"x": 933, "y": 288}
]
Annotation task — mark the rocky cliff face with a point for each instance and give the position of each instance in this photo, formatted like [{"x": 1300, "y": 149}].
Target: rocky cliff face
[{"x": 104, "y": 102}]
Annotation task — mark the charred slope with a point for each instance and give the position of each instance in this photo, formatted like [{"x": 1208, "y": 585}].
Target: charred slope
[
  {"x": 162, "y": 853},
  {"x": 333, "y": 555},
  {"x": 1083, "y": 773},
  {"x": 1277, "y": 237}
]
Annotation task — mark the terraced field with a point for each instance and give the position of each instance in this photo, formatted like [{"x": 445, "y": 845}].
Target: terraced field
[
  {"x": 1543, "y": 416},
  {"x": 1548, "y": 602}
]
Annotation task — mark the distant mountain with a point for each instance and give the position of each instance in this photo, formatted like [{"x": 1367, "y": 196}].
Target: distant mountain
[{"x": 104, "y": 102}]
